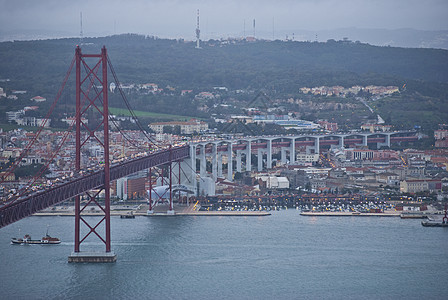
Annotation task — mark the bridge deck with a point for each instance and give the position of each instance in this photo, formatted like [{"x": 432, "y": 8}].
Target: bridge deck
[{"x": 25, "y": 207}]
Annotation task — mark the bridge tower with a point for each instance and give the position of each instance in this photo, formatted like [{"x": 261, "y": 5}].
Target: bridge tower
[{"x": 92, "y": 100}]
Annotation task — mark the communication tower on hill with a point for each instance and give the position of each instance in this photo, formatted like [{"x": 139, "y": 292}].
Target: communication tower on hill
[
  {"x": 254, "y": 28},
  {"x": 198, "y": 33}
]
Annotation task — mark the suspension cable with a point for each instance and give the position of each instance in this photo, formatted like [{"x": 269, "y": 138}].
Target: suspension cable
[
  {"x": 31, "y": 143},
  {"x": 128, "y": 105},
  {"x": 113, "y": 121},
  {"x": 33, "y": 180}
]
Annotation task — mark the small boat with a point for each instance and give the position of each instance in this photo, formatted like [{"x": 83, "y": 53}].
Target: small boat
[{"x": 46, "y": 240}]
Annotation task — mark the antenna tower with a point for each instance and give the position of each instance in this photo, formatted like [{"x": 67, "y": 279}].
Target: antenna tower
[
  {"x": 254, "y": 28},
  {"x": 198, "y": 33}
]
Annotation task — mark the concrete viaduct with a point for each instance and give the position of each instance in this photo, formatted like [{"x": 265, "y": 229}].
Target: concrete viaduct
[{"x": 263, "y": 146}]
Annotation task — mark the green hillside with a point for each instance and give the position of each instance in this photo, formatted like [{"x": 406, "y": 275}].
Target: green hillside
[
  {"x": 279, "y": 68},
  {"x": 261, "y": 64}
]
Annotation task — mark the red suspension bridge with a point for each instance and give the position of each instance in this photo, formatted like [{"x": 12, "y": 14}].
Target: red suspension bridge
[{"x": 92, "y": 97}]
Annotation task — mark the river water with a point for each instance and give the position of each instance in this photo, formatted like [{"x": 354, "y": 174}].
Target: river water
[{"x": 282, "y": 256}]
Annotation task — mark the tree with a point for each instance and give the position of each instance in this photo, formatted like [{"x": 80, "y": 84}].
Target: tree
[
  {"x": 238, "y": 176},
  {"x": 30, "y": 170},
  {"x": 177, "y": 130},
  {"x": 167, "y": 129}
]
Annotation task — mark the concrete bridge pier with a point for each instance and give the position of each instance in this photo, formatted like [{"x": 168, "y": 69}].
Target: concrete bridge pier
[
  {"x": 364, "y": 140},
  {"x": 203, "y": 161},
  {"x": 215, "y": 162},
  {"x": 386, "y": 143},
  {"x": 238, "y": 161},
  {"x": 292, "y": 152},
  {"x": 316, "y": 146},
  {"x": 219, "y": 159},
  {"x": 229, "y": 162},
  {"x": 249, "y": 156},
  {"x": 188, "y": 176},
  {"x": 260, "y": 159},
  {"x": 193, "y": 168},
  {"x": 283, "y": 155},
  {"x": 269, "y": 155}
]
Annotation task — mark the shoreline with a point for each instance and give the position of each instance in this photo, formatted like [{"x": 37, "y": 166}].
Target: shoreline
[
  {"x": 350, "y": 214},
  {"x": 161, "y": 214}
]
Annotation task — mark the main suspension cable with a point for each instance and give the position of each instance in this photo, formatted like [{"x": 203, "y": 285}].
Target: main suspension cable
[
  {"x": 31, "y": 143},
  {"x": 41, "y": 171},
  {"x": 111, "y": 119},
  {"x": 129, "y": 106}
]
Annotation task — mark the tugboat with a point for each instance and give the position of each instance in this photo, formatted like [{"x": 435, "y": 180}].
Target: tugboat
[{"x": 46, "y": 240}]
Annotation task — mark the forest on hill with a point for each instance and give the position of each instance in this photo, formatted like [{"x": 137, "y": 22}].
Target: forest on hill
[
  {"x": 262, "y": 64},
  {"x": 279, "y": 68}
]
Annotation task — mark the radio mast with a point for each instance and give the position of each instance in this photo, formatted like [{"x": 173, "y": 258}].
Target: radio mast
[{"x": 198, "y": 34}]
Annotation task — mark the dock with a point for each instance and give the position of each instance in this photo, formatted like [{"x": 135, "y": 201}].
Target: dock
[
  {"x": 349, "y": 214},
  {"x": 161, "y": 210},
  {"x": 215, "y": 213},
  {"x": 414, "y": 216}
]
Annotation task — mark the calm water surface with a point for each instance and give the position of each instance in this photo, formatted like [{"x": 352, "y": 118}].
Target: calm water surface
[{"x": 282, "y": 256}]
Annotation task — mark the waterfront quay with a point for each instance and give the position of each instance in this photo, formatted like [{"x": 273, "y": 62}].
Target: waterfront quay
[
  {"x": 160, "y": 210},
  {"x": 349, "y": 214},
  {"x": 258, "y": 206}
]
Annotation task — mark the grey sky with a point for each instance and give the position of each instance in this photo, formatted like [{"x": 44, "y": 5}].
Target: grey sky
[{"x": 219, "y": 18}]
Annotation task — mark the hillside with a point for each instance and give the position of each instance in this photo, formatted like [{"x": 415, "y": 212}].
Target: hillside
[
  {"x": 279, "y": 68},
  {"x": 258, "y": 64}
]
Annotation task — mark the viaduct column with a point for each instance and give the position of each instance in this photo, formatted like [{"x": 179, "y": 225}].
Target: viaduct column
[
  {"x": 203, "y": 162},
  {"x": 215, "y": 162},
  {"x": 229, "y": 162},
  {"x": 238, "y": 161},
  {"x": 292, "y": 152},
  {"x": 316, "y": 146},
  {"x": 249, "y": 156},
  {"x": 364, "y": 140},
  {"x": 193, "y": 167},
  {"x": 219, "y": 164},
  {"x": 386, "y": 142},
  {"x": 259, "y": 159},
  {"x": 283, "y": 155},
  {"x": 269, "y": 155}
]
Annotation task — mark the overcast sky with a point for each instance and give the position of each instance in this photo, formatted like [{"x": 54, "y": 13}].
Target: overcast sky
[{"x": 219, "y": 18}]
